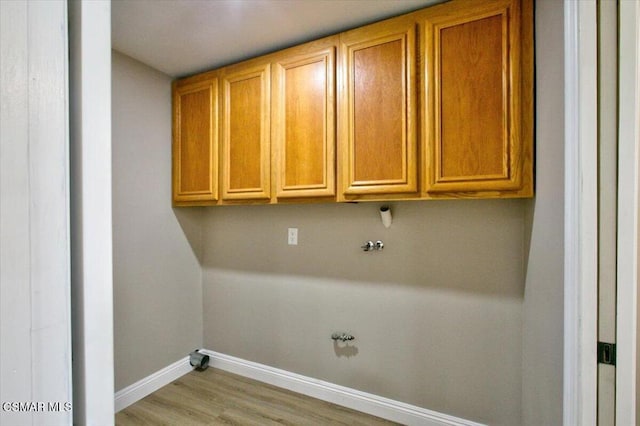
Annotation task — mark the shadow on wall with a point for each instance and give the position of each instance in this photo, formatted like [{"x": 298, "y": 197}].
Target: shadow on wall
[
  {"x": 529, "y": 209},
  {"x": 467, "y": 245},
  {"x": 190, "y": 220},
  {"x": 346, "y": 350}
]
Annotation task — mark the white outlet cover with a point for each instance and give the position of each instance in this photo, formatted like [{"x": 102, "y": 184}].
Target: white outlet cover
[{"x": 292, "y": 236}]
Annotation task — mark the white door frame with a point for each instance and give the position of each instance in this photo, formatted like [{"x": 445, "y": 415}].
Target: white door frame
[
  {"x": 91, "y": 243},
  {"x": 35, "y": 313},
  {"x": 628, "y": 211},
  {"x": 580, "y": 316},
  {"x": 580, "y": 219}
]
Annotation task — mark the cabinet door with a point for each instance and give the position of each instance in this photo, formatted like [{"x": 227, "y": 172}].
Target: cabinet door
[
  {"x": 303, "y": 128},
  {"x": 477, "y": 93},
  {"x": 377, "y": 110},
  {"x": 195, "y": 142},
  {"x": 246, "y": 133}
]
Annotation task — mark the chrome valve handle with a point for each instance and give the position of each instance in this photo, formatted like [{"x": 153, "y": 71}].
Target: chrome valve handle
[
  {"x": 371, "y": 246},
  {"x": 368, "y": 246},
  {"x": 343, "y": 337}
]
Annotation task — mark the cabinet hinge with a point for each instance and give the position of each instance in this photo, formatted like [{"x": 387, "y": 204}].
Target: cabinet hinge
[{"x": 606, "y": 353}]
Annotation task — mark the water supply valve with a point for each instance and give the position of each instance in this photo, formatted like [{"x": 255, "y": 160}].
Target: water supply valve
[
  {"x": 371, "y": 246},
  {"x": 343, "y": 337}
]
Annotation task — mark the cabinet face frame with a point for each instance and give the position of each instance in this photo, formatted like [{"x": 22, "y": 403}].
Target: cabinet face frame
[
  {"x": 239, "y": 74},
  {"x": 517, "y": 132},
  {"x": 326, "y": 57},
  {"x": 403, "y": 30},
  {"x": 208, "y": 195}
]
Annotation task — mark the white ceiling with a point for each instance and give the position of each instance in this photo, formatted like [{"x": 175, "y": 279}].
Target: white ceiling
[{"x": 182, "y": 37}]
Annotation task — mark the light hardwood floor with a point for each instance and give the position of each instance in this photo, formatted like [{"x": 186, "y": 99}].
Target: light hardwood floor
[{"x": 214, "y": 397}]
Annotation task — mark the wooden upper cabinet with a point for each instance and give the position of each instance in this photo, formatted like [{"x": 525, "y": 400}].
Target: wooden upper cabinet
[
  {"x": 337, "y": 118},
  {"x": 195, "y": 141},
  {"x": 478, "y": 98},
  {"x": 377, "y": 116},
  {"x": 245, "y": 135},
  {"x": 303, "y": 121}
]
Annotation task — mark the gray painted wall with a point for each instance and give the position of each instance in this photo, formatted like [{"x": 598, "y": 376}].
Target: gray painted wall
[
  {"x": 543, "y": 298},
  {"x": 437, "y": 315},
  {"x": 157, "y": 278},
  {"x": 638, "y": 313}
]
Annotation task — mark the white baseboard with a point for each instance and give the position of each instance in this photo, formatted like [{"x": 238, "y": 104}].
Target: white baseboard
[
  {"x": 351, "y": 398},
  {"x": 152, "y": 383}
]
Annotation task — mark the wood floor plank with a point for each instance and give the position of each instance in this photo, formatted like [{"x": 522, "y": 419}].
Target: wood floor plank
[{"x": 216, "y": 397}]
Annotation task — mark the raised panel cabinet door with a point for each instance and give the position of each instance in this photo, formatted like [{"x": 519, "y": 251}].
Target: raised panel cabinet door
[
  {"x": 303, "y": 127},
  {"x": 478, "y": 108},
  {"x": 195, "y": 142},
  {"x": 246, "y": 134},
  {"x": 377, "y": 144}
]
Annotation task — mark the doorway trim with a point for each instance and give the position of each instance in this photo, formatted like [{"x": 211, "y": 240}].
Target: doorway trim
[
  {"x": 91, "y": 236},
  {"x": 580, "y": 304},
  {"x": 580, "y": 218},
  {"x": 628, "y": 212}
]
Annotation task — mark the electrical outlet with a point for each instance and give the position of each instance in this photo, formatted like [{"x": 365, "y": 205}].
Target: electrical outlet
[{"x": 292, "y": 236}]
